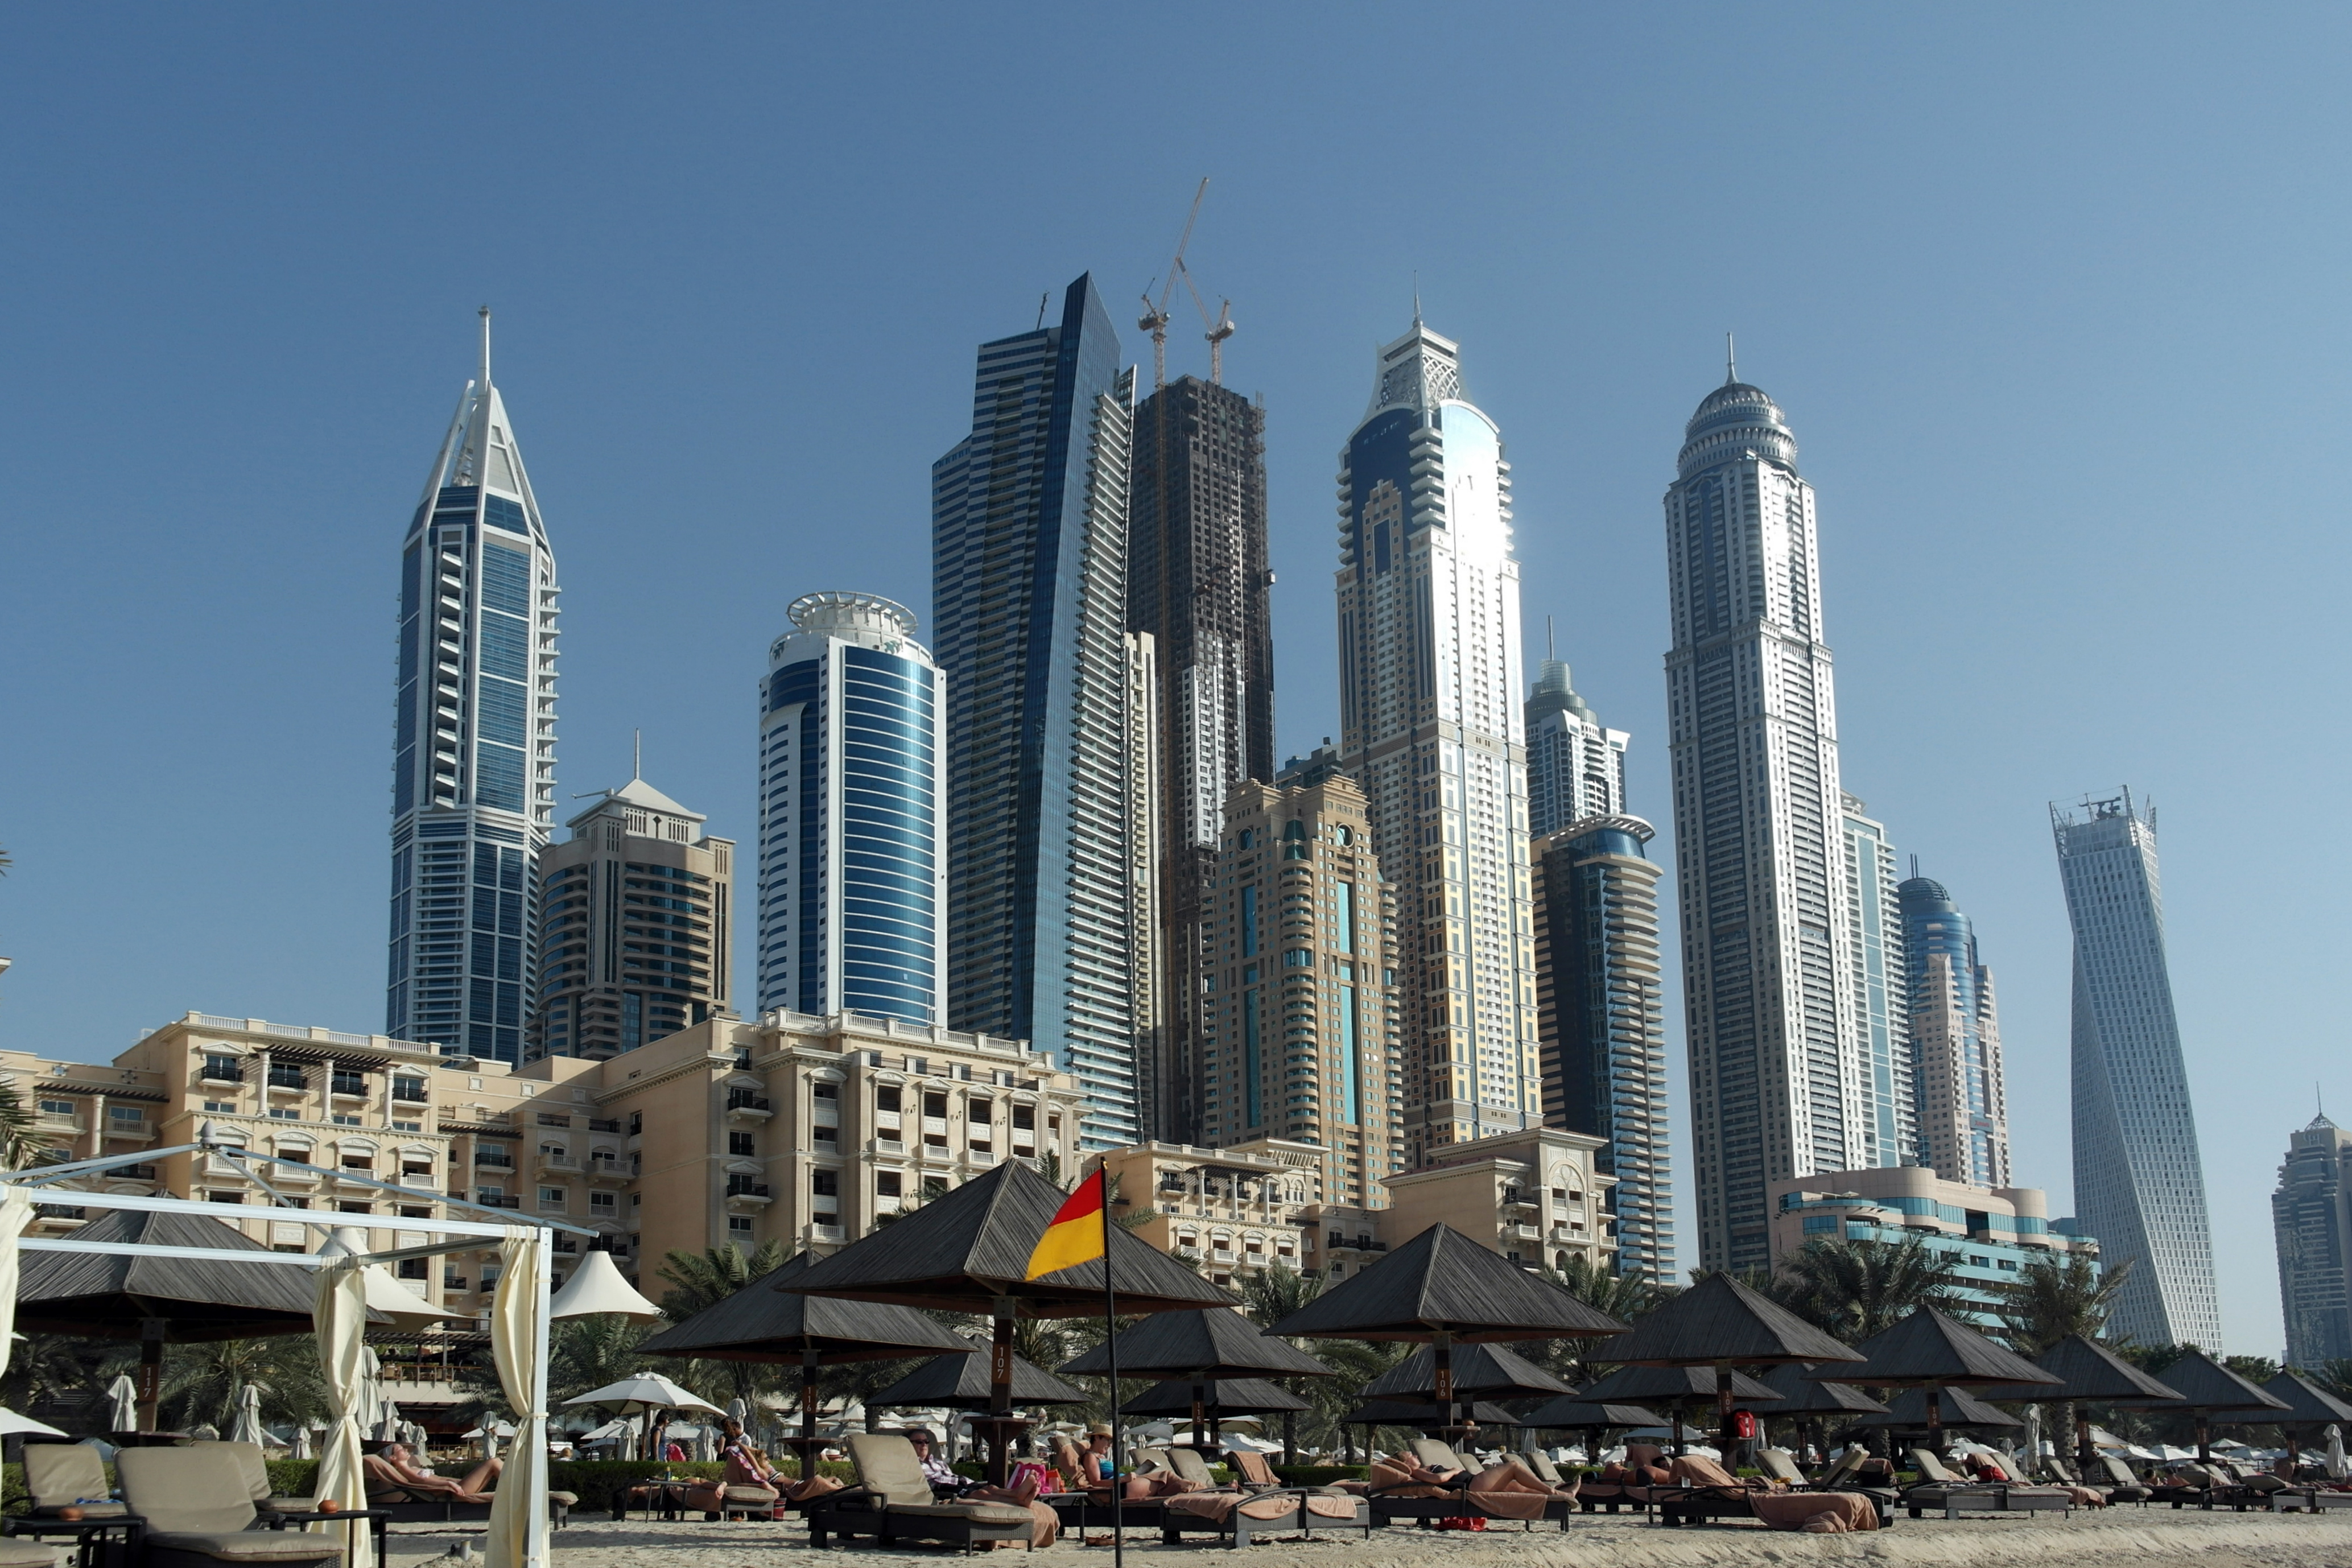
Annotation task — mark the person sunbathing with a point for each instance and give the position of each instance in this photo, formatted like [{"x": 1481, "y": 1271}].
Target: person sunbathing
[{"x": 393, "y": 1476}]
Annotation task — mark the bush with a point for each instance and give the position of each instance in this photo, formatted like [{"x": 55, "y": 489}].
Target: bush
[
  {"x": 293, "y": 1478},
  {"x": 1321, "y": 1475}
]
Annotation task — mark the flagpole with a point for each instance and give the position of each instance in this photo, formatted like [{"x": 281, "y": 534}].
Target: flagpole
[{"x": 1110, "y": 1345}]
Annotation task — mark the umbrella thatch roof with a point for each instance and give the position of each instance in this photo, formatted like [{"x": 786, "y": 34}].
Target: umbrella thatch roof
[
  {"x": 1573, "y": 1410},
  {"x": 764, "y": 1322},
  {"x": 1641, "y": 1384},
  {"x": 1805, "y": 1395},
  {"x": 2086, "y": 1370},
  {"x": 1955, "y": 1407},
  {"x": 1442, "y": 1281},
  {"x": 1217, "y": 1342},
  {"x": 1929, "y": 1348},
  {"x": 961, "y": 1252},
  {"x": 1480, "y": 1372},
  {"x": 108, "y": 1294},
  {"x": 1429, "y": 1417},
  {"x": 1720, "y": 1320},
  {"x": 2307, "y": 1404},
  {"x": 2205, "y": 1384},
  {"x": 960, "y": 1383},
  {"x": 1229, "y": 1396}
]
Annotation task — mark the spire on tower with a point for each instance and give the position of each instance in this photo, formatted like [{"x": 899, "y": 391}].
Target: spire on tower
[
  {"x": 1730, "y": 361},
  {"x": 485, "y": 346}
]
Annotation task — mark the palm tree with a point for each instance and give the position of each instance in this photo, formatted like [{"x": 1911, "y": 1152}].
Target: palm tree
[
  {"x": 2055, "y": 1297},
  {"x": 1625, "y": 1296},
  {"x": 589, "y": 1353},
  {"x": 20, "y": 1149},
  {"x": 705, "y": 1280},
  {"x": 202, "y": 1382},
  {"x": 1855, "y": 1290}
]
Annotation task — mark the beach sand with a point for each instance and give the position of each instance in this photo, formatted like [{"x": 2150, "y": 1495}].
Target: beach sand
[{"x": 2097, "y": 1538}]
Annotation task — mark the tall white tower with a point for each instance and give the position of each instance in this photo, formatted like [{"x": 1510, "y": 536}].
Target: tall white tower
[
  {"x": 473, "y": 799},
  {"x": 1431, "y": 731},
  {"x": 1779, "y": 1046},
  {"x": 2139, "y": 1185}
]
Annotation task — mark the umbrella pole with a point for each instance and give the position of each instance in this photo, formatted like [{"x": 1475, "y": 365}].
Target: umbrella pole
[
  {"x": 1442, "y": 1358},
  {"x": 151, "y": 1372},
  {"x": 1200, "y": 1413},
  {"x": 2084, "y": 1455},
  {"x": 1723, "y": 1407},
  {"x": 999, "y": 1391},
  {"x": 1934, "y": 1392},
  {"x": 807, "y": 1444},
  {"x": 1290, "y": 1436},
  {"x": 2204, "y": 1436}
]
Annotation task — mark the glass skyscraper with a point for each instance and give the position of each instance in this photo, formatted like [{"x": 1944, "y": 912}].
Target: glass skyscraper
[
  {"x": 1029, "y": 609},
  {"x": 473, "y": 798},
  {"x": 1963, "y": 1102},
  {"x": 2139, "y": 1185},
  {"x": 2310, "y": 1222},
  {"x": 1432, "y": 731},
  {"x": 852, "y": 882},
  {"x": 1576, "y": 766},
  {"x": 1197, "y": 584},
  {"x": 1602, "y": 995},
  {"x": 1782, "y": 1079},
  {"x": 1885, "y": 1131}
]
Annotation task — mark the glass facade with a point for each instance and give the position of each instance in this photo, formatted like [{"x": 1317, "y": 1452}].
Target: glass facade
[
  {"x": 473, "y": 748},
  {"x": 851, "y": 872},
  {"x": 1963, "y": 1112}
]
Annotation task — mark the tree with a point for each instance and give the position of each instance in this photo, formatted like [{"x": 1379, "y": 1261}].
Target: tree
[
  {"x": 2336, "y": 1376},
  {"x": 2057, "y": 1296},
  {"x": 703, "y": 1280},
  {"x": 203, "y": 1382},
  {"x": 1273, "y": 1293},
  {"x": 1855, "y": 1290},
  {"x": 1625, "y": 1296},
  {"x": 585, "y": 1353}
]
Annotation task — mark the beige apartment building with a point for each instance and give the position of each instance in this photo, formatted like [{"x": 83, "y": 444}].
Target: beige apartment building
[{"x": 794, "y": 1129}]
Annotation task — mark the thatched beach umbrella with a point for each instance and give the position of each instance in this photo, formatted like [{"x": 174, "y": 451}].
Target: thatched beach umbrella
[
  {"x": 763, "y": 1323},
  {"x": 1230, "y": 1397},
  {"x": 158, "y": 1301},
  {"x": 1721, "y": 1323},
  {"x": 1204, "y": 1349},
  {"x": 1480, "y": 1372},
  {"x": 1575, "y": 1412},
  {"x": 2208, "y": 1389},
  {"x": 1802, "y": 1396},
  {"x": 2308, "y": 1406},
  {"x": 1425, "y": 1416},
  {"x": 969, "y": 1252},
  {"x": 1953, "y": 1408},
  {"x": 2087, "y": 1374},
  {"x": 1929, "y": 1350},
  {"x": 1678, "y": 1387},
  {"x": 960, "y": 1381},
  {"x": 1444, "y": 1287}
]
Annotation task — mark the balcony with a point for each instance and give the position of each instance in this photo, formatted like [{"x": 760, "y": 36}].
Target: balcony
[
  {"x": 1519, "y": 1232},
  {"x": 743, "y": 1105},
  {"x": 563, "y": 1162},
  {"x": 604, "y": 1168},
  {"x": 139, "y": 1131},
  {"x": 826, "y": 1233},
  {"x": 347, "y": 1086},
  {"x": 601, "y": 1124},
  {"x": 740, "y": 1190},
  {"x": 885, "y": 1145},
  {"x": 287, "y": 1078},
  {"x": 493, "y": 1160},
  {"x": 290, "y": 1175},
  {"x": 497, "y": 1200}
]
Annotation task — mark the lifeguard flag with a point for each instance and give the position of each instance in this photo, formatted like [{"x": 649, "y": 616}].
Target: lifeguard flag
[{"x": 1075, "y": 1236}]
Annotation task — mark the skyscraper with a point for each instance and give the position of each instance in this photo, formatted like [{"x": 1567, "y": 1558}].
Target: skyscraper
[
  {"x": 1576, "y": 768},
  {"x": 1029, "y": 594},
  {"x": 1299, "y": 1021},
  {"x": 2311, "y": 1220},
  {"x": 1779, "y": 1055},
  {"x": 1600, "y": 999},
  {"x": 1963, "y": 1102},
  {"x": 638, "y": 910},
  {"x": 1197, "y": 582},
  {"x": 1886, "y": 1127},
  {"x": 2139, "y": 1185},
  {"x": 851, "y": 881},
  {"x": 1431, "y": 731},
  {"x": 473, "y": 794}
]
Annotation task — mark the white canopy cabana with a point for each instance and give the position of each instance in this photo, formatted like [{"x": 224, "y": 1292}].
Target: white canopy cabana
[{"x": 518, "y": 1535}]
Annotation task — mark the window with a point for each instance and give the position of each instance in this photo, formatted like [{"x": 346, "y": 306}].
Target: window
[
  {"x": 742, "y": 1143},
  {"x": 126, "y": 1115},
  {"x": 825, "y": 1184},
  {"x": 354, "y": 1205},
  {"x": 979, "y": 1111},
  {"x": 550, "y": 1197},
  {"x": 413, "y": 1268},
  {"x": 219, "y": 1197},
  {"x": 222, "y": 1070},
  {"x": 408, "y": 1127},
  {"x": 276, "y": 1112},
  {"x": 415, "y": 1211},
  {"x": 601, "y": 1202},
  {"x": 738, "y": 1227},
  {"x": 408, "y": 1089},
  {"x": 889, "y": 1183},
  {"x": 935, "y": 1104},
  {"x": 885, "y": 1097},
  {"x": 359, "y": 1162},
  {"x": 56, "y": 1108},
  {"x": 636, "y": 1122},
  {"x": 228, "y": 1106},
  {"x": 1024, "y": 1117}
]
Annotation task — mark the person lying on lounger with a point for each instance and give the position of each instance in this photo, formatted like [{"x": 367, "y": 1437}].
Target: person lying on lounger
[{"x": 393, "y": 1476}]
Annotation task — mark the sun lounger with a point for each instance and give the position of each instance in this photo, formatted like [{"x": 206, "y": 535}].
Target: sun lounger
[
  {"x": 1706, "y": 1491},
  {"x": 1594, "y": 1494},
  {"x": 68, "y": 1475},
  {"x": 1956, "y": 1494},
  {"x": 892, "y": 1502},
  {"x": 26, "y": 1554},
  {"x": 199, "y": 1513}
]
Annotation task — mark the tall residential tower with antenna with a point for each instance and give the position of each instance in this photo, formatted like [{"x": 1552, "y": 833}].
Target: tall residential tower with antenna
[{"x": 473, "y": 795}]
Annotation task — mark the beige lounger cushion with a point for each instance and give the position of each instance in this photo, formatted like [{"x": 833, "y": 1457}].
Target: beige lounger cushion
[
  {"x": 26, "y": 1554},
  {"x": 60, "y": 1475},
  {"x": 247, "y": 1545},
  {"x": 978, "y": 1512},
  {"x": 88, "y": 1510},
  {"x": 198, "y": 1489},
  {"x": 887, "y": 1466},
  {"x": 569, "y": 1500}
]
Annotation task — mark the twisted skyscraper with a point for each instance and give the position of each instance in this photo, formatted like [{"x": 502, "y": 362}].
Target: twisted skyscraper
[
  {"x": 1783, "y": 1082},
  {"x": 473, "y": 797},
  {"x": 2139, "y": 1185},
  {"x": 1432, "y": 729}
]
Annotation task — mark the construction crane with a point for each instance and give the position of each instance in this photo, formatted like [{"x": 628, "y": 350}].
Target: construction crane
[
  {"x": 1219, "y": 330},
  {"x": 1155, "y": 315}
]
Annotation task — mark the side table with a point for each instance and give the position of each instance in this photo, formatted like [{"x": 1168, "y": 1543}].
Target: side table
[
  {"x": 378, "y": 1519},
  {"x": 92, "y": 1537}
]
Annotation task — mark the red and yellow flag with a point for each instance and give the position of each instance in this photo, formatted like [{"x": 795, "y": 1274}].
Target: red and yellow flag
[{"x": 1075, "y": 1236}]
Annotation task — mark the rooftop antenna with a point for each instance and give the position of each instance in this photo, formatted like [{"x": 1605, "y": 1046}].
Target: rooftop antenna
[
  {"x": 1041, "y": 309},
  {"x": 486, "y": 348},
  {"x": 1416, "y": 297},
  {"x": 1155, "y": 314},
  {"x": 1914, "y": 867},
  {"x": 1730, "y": 360},
  {"x": 636, "y": 755},
  {"x": 1548, "y": 654}
]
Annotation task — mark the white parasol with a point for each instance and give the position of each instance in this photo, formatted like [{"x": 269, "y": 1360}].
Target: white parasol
[
  {"x": 12, "y": 1424},
  {"x": 246, "y": 1428},
  {"x": 2337, "y": 1468},
  {"x": 122, "y": 1404},
  {"x": 595, "y": 1288}
]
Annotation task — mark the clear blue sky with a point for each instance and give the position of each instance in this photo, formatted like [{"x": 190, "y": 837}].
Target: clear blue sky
[{"x": 2054, "y": 298}]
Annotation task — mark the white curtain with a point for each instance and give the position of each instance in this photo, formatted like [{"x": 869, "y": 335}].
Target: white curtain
[
  {"x": 339, "y": 1315},
  {"x": 15, "y": 1213},
  {"x": 518, "y": 1535}
]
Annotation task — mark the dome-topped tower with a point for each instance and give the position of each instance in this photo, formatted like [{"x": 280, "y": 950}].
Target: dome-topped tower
[{"x": 1733, "y": 420}]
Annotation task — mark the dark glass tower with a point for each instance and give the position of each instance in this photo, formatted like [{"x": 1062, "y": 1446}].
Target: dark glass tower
[
  {"x": 1029, "y": 591},
  {"x": 1956, "y": 1073},
  {"x": 1600, "y": 1005},
  {"x": 473, "y": 797},
  {"x": 1197, "y": 583}
]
